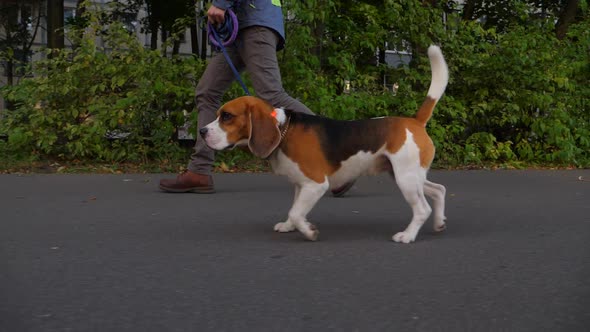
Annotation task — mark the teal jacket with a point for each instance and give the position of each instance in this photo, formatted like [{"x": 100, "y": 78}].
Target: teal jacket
[{"x": 266, "y": 13}]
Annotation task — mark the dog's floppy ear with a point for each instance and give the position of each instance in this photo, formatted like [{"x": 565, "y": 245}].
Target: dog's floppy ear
[{"x": 264, "y": 131}]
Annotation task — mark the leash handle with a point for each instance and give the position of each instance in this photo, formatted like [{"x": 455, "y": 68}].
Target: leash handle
[{"x": 231, "y": 23}]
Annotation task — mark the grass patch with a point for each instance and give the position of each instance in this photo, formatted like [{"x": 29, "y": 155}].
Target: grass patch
[{"x": 234, "y": 161}]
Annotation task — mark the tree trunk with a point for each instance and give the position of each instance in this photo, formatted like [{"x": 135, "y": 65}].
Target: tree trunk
[
  {"x": 153, "y": 25},
  {"x": 36, "y": 28},
  {"x": 154, "y": 38},
  {"x": 204, "y": 44},
  {"x": 468, "y": 10},
  {"x": 318, "y": 36},
  {"x": 164, "y": 37},
  {"x": 194, "y": 40},
  {"x": 176, "y": 47},
  {"x": 55, "y": 24},
  {"x": 10, "y": 72},
  {"x": 80, "y": 10},
  {"x": 566, "y": 18},
  {"x": 204, "y": 37}
]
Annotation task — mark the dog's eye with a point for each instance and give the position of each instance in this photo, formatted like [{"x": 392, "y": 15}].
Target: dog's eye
[{"x": 225, "y": 116}]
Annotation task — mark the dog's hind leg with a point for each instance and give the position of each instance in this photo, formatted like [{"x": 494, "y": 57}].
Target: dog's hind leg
[
  {"x": 437, "y": 192},
  {"x": 410, "y": 178},
  {"x": 411, "y": 186},
  {"x": 309, "y": 194}
]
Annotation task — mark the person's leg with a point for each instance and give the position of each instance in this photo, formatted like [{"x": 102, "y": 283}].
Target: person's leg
[
  {"x": 257, "y": 46},
  {"x": 216, "y": 79}
]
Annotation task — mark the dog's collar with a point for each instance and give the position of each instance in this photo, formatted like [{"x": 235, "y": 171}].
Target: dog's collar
[
  {"x": 285, "y": 128},
  {"x": 285, "y": 124}
]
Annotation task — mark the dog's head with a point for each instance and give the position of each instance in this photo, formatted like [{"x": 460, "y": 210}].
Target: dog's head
[{"x": 244, "y": 121}]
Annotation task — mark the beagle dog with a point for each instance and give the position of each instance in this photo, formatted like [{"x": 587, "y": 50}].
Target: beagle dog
[{"x": 318, "y": 153}]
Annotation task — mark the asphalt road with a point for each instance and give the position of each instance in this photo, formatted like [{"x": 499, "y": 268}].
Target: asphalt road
[{"x": 113, "y": 253}]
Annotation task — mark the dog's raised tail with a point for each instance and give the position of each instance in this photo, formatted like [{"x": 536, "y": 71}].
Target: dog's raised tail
[{"x": 438, "y": 84}]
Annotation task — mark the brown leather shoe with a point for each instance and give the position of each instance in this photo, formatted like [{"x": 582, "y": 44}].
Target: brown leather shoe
[
  {"x": 188, "y": 181},
  {"x": 340, "y": 191}
]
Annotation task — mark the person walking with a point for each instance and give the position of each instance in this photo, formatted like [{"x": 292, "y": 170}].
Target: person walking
[{"x": 261, "y": 34}]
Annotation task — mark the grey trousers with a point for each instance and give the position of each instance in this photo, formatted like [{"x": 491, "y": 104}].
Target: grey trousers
[{"x": 255, "y": 52}]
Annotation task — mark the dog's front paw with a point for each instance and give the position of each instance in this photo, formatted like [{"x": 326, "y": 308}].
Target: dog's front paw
[
  {"x": 284, "y": 227},
  {"x": 404, "y": 237},
  {"x": 311, "y": 233},
  {"x": 440, "y": 225}
]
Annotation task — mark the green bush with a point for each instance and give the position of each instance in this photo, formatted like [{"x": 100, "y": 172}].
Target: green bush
[
  {"x": 76, "y": 102},
  {"x": 515, "y": 97},
  {"x": 526, "y": 90},
  {"x": 520, "y": 96}
]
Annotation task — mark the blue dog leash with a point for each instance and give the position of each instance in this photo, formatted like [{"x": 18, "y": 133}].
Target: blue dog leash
[{"x": 230, "y": 30}]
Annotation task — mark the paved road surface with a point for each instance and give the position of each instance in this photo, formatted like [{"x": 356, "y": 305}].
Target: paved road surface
[{"x": 112, "y": 253}]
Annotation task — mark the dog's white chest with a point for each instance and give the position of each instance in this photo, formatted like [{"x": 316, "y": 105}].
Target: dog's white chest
[
  {"x": 362, "y": 163},
  {"x": 282, "y": 165}
]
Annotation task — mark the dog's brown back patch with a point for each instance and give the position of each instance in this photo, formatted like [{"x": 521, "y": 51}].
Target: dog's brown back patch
[{"x": 303, "y": 146}]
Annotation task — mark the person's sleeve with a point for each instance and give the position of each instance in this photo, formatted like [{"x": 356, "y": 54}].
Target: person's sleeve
[{"x": 223, "y": 4}]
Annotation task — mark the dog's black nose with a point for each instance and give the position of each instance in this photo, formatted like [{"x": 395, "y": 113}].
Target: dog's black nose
[{"x": 203, "y": 131}]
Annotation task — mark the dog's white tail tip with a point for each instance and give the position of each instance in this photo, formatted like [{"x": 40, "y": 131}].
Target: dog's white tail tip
[{"x": 440, "y": 72}]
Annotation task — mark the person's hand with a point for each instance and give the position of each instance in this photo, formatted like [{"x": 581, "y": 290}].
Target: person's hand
[{"x": 216, "y": 15}]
